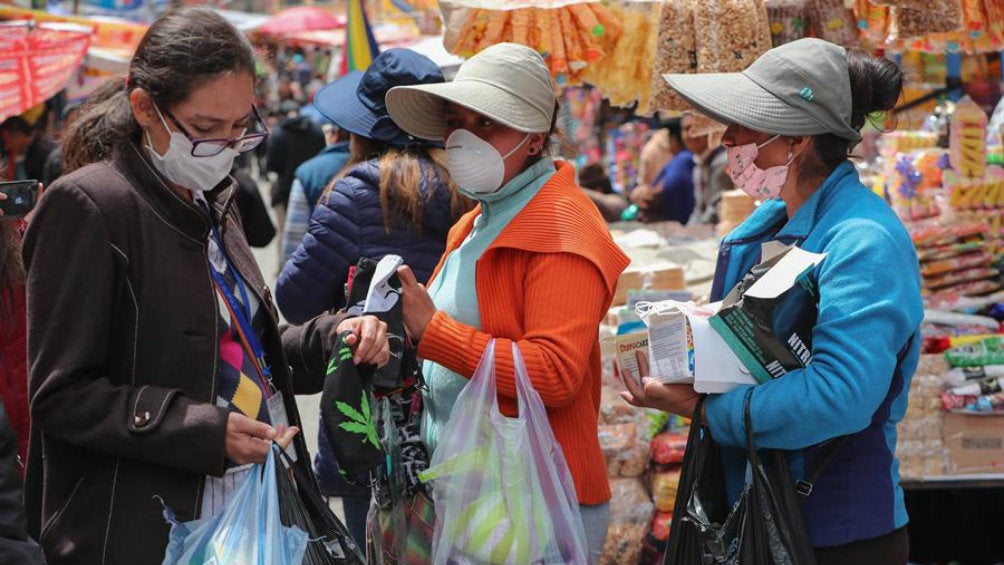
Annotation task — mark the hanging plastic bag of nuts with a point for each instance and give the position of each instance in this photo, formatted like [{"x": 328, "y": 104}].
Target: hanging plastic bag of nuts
[{"x": 834, "y": 22}]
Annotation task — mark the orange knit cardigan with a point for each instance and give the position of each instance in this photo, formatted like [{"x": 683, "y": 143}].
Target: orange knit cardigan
[{"x": 546, "y": 283}]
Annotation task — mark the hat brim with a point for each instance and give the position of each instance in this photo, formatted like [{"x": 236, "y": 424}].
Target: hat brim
[
  {"x": 733, "y": 98},
  {"x": 339, "y": 102},
  {"x": 419, "y": 110}
]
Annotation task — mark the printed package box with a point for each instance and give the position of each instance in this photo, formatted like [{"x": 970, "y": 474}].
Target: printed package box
[{"x": 767, "y": 319}]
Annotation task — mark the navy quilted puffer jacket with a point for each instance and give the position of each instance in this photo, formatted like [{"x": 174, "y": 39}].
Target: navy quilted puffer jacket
[{"x": 348, "y": 224}]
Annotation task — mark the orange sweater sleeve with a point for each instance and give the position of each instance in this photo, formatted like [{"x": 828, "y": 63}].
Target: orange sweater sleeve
[{"x": 565, "y": 300}]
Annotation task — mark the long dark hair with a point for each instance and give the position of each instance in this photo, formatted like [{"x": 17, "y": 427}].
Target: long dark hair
[
  {"x": 876, "y": 85},
  {"x": 180, "y": 52},
  {"x": 401, "y": 175}
]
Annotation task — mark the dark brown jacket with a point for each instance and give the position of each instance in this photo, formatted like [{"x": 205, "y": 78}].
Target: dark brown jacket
[{"x": 123, "y": 354}]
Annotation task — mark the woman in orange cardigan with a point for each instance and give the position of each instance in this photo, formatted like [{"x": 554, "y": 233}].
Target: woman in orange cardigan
[{"x": 533, "y": 264}]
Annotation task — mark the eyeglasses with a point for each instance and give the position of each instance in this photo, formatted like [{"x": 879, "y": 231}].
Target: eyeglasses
[{"x": 210, "y": 147}]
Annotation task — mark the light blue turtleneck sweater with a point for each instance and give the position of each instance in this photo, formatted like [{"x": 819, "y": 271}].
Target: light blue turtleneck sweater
[{"x": 454, "y": 291}]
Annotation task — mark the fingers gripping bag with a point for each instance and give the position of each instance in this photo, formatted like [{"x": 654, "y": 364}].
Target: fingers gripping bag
[
  {"x": 502, "y": 489},
  {"x": 248, "y": 531}
]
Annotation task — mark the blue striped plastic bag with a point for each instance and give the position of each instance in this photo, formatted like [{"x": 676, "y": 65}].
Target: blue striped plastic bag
[
  {"x": 502, "y": 489},
  {"x": 248, "y": 531}
]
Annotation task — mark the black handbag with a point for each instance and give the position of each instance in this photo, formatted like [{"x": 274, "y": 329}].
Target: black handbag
[{"x": 301, "y": 505}]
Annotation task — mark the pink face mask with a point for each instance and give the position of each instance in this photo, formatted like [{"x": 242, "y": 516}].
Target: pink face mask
[{"x": 760, "y": 184}]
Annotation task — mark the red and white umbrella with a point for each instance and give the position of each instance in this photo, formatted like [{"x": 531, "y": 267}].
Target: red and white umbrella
[
  {"x": 301, "y": 19},
  {"x": 36, "y": 62}
]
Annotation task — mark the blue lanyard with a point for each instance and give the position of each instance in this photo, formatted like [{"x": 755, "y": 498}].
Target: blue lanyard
[{"x": 242, "y": 312}]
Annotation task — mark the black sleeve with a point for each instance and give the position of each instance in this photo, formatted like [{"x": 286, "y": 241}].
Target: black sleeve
[
  {"x": 258, "y": 227},
  {"x": 307, "y": 350}
]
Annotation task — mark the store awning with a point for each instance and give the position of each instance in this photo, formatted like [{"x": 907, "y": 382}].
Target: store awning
[{"x": 36, "y": 62}]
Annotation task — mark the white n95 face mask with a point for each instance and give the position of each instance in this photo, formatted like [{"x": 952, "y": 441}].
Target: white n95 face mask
[
  {"x": 474, "y": 164},
  {"x": 179, "y": 166}
]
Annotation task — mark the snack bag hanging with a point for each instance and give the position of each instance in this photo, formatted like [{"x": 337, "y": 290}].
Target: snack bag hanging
[{"x": 503, "y": 491}]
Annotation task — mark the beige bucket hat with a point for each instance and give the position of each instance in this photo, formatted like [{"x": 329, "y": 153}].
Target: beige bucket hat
[{"x": 507, "y": 82}]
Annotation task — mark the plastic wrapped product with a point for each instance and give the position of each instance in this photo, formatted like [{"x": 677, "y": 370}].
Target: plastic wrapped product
[
  {"x": 676, "y": 52},
  {"x": 834, "y": 22},
  {"x": 668, "y": 448},
  {"x": 934, "y": 16},
  {"x": 664, "y": 487},
  {"x": 789, "y": 20}
]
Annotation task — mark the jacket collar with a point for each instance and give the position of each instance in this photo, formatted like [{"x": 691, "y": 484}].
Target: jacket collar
[{"x": 135, "y": 166}]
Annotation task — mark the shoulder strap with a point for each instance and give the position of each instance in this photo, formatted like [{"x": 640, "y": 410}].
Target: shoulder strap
[{"x": 803, "y": 487}]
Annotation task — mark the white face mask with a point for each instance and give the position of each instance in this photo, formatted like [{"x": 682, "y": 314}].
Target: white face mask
[
  {"x": 474, "y": 164},
  {"x": 179, "y": 166}
]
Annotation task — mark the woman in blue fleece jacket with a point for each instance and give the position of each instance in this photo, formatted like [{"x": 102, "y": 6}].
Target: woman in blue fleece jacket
[{"x": 792, "y": 118}]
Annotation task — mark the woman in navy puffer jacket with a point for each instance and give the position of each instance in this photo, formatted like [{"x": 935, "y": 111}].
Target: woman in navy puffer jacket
[
  {"x": 394, "y": 197},
  {"x": 351, "y": 222}
]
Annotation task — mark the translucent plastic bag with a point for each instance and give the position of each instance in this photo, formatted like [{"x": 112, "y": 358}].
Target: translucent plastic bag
[
  {"x": 249, "y": 531},
  {"x": 502, "y": 489}
]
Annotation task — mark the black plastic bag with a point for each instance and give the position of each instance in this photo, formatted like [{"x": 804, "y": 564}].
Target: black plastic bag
[
  {"x": 301, "y": 505},
  {"x": 700, "y": 501},
  {"x": 765, "y": 527}
]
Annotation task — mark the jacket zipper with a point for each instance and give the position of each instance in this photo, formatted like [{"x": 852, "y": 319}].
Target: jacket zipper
[{"x": 216, "y": 364}]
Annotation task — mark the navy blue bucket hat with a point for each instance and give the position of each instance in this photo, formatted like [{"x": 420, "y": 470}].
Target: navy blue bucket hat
[{"x": 356, "y": 103}]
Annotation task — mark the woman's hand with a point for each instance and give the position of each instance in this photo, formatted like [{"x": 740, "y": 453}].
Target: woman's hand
[
  {"x": 418, "y": 305},
  {"x": 679, "y": 399},
  {"x": 368, "y": 341},
  {"x": 248, "y": 441}
]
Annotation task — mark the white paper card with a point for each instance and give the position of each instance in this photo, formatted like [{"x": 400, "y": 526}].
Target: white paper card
[{"x": 716, "y": 368}]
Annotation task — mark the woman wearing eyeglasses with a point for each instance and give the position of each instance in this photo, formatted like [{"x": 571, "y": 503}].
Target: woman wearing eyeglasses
[{"x": 156, "y": 367}]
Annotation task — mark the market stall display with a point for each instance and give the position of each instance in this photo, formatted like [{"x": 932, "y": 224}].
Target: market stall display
[{"x": 571, "y": 37}]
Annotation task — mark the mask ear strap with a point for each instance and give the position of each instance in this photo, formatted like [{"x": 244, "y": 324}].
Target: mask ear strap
[
  {"x": 514, "y": 149},
  {"x": 161, "y": 117},
  {"x": 765, "y": 143}
]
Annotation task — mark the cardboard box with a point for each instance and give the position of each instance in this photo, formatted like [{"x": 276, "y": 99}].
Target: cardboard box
[
  {"x": 975, "y": 443},
  {"x": 660, "y": 276}
]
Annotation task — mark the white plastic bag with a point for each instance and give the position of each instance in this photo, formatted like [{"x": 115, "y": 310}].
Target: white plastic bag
[
  {"x": 502, "y": 489},
  {"x": 248, "y": 531}
]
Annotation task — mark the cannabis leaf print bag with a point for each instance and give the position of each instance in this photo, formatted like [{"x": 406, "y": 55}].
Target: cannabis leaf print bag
[{"x": 347, "y": 411}]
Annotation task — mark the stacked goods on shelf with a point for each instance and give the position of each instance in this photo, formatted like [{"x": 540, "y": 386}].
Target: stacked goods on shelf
[
  {"x": 625, "y": 433},
  {"x": 666, "y": 461},
  {"x": 912, "y": 172},
  {"x": 570, "y": 37},
  {"x": 954, "y": 260},
  {"x": 976, "y": 190},
  {"x": 973, "y": 430},
  {"x": 919, "y": 445},
  {"x": 734, "y": 207},
  {"x": 974, "y": 381}
]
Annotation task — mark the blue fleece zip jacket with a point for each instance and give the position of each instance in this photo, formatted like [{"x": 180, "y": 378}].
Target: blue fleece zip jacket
[{"x": 869, "y": 308}]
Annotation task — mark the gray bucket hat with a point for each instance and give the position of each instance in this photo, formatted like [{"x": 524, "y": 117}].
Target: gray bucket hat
[
  {"x": 507, "y": 82},
  {"x": 799, "y": 88}
]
